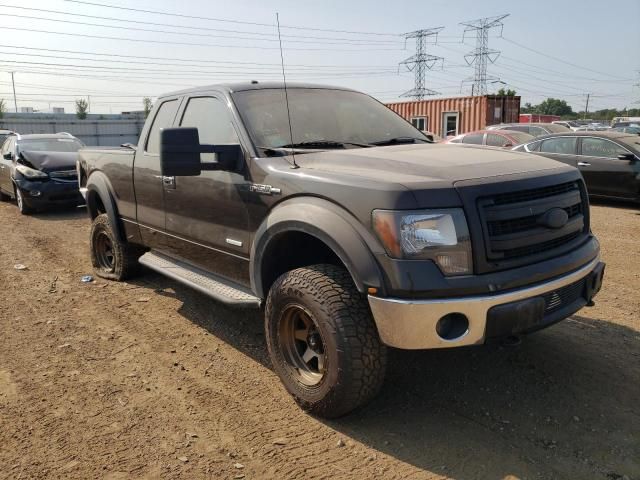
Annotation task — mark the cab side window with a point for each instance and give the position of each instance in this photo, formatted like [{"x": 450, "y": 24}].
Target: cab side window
[
  {"x": 562, "y": 145},
  {"x": 163, "y": 119},
  {"x": 599, "y": 147},
  {"x": 474, "y": 138},
  {"x": 497, "y": 140},
  {"x": 212, "y": 119}
]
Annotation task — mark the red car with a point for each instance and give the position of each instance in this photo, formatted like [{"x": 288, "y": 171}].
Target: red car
[{"x": 492, "y": 138}]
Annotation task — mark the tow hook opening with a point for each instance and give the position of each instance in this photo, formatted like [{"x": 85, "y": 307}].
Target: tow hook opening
[{"x": 452, "y": 326}]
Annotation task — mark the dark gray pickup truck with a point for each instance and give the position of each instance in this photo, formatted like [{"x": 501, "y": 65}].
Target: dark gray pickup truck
[{"x": 348, "y": 226}]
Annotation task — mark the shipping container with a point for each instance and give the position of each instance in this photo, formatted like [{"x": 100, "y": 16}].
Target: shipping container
[
  {"x": 452, "y": 116},
  {"x": 538, "y": 118}
]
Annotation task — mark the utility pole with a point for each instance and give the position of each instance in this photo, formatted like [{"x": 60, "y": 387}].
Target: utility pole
[
  {"x": 15, "y": 102},
  {"x": 586, "y": 109},
  {"x": 89, "y": 103},
  {"x": 482, "y": 55},
  {"x": 421, "y": 62}
]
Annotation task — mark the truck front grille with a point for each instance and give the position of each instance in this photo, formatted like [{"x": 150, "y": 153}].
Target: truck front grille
[{"x": 515, "y": 226}]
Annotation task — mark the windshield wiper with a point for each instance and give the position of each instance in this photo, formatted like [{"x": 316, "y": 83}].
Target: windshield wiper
[
  {"x": 323, "y": 144},
  {"x": 400, "y": 140}
]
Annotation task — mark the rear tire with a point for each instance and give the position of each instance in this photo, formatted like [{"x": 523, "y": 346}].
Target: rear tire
[
  {"x": 322, "y": 340},
  {"x": 4, "y": 197},
  {"x": 111, "y": 257}
]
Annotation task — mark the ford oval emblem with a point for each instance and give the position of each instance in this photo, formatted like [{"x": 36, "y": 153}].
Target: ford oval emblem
[{"x": 554, "y": 218}]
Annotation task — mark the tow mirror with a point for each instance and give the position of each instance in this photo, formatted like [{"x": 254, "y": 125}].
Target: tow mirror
[
  {"x": 627, "y": 156},
  {"x": 180, "y": 151}
]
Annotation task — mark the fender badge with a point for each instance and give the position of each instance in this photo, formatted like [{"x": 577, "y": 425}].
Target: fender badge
[{"x": 264, "y": 189}]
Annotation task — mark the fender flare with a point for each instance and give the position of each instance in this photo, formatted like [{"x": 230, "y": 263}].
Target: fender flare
[
  {"x": 98, "y": 186},
  {"x": 327, "y": 222}
]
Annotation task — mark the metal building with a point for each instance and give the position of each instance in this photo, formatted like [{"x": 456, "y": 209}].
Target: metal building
[{"x": 451, "y": 116}]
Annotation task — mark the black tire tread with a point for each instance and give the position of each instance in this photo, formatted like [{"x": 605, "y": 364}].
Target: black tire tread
[
  {"x": 126, "y": 254},
  {"x": 351, "y": 319}
]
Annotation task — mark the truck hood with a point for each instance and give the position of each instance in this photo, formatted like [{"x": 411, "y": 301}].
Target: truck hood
[
  {"x": 416, "y": 165},
  {"x": 50, "y": 161}
]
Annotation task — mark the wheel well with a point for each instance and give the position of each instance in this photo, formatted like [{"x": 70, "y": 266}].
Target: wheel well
[
  {"x": 95, "y": 204},
  {"x": 291, "y": 250}
]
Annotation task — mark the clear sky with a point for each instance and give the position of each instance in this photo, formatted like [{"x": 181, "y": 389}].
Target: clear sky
[{"x": 563, "y": 49}]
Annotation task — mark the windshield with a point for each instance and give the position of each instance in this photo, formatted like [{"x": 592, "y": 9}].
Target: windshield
[
  {"x": 49, "y": 145},
  {"x": 350, "y": 118}
]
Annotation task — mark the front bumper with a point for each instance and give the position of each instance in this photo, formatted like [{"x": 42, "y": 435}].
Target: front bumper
[
  {"x": 50, "y": 193},
  {"x": 414, "y": 323}
]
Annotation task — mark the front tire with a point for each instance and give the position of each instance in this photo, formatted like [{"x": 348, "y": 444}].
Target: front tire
[
  {"x": 22, "y": 206},
  {"x": 322, "y": 340},
  {"x": 111, "y": 257}
]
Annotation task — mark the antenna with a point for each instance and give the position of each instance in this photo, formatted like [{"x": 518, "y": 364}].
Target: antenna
[{"x": 286, "y": 94}]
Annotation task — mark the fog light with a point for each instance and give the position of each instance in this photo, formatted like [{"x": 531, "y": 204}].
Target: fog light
[
  {"x": 452, "y": 326},
  {"x": 35, "y": 193}
]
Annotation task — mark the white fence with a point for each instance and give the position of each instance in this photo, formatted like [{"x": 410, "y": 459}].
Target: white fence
[{"x": 91, "y": 132}]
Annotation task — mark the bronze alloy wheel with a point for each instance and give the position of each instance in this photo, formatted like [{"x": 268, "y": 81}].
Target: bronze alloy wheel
[
  {"x": 103, "y": 248},
  {"x": 302, "y": 345}
]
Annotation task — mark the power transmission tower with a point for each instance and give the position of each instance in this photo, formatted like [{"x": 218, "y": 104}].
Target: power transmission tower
[
  {"x": 421, "y": 62},
  {"x": 482, "y": 55}
]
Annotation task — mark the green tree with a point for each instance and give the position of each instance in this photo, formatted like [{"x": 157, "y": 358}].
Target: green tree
[
  {"x": 506, "y": 93},
  {"x": 148, "y": 105},
  {"x": 3, "y": 107},
  {"x": 554, "y": 106},
  {"x": 527, "y": 108},
  {"x": 82, "y": 106}
]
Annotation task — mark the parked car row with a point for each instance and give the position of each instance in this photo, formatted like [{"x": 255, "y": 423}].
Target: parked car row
[{"x": 609, "y": 161}]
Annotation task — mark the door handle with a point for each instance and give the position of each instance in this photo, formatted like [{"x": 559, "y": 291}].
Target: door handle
[
  {"x": 169, "y": 182},
  {"x": 583, "y": 164}
]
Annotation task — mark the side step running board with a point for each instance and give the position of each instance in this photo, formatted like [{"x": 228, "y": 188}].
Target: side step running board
[{"x": 212, "y": 285}]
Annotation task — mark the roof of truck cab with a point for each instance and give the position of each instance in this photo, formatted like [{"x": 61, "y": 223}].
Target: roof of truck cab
[{"x": 239, "y": 87}]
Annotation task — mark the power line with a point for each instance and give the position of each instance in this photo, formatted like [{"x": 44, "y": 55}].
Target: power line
[
  {"x": 146, "y": 57},
  {"x": 558, "y": 59},
  {"x": 421, "y": 62},
  {"x": 234, "y": 37},
  {"x": 165, "y": 64},
  {"x": 191, "y": 27},
  {"x": 242, "y": 22},
  {"x": 191, "y": 44},
  {"x": 182, "y": 72},
  {"x": 481, "y": 56}
]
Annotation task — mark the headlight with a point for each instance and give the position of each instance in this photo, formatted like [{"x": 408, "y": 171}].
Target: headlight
[
  {"x": 30, "y": 172},
  {"x": 438, "y": 235}
]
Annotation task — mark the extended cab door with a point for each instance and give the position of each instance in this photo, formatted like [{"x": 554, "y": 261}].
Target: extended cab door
[
  {"x": 147, "y": 177},
  {"x": 207, "y": 222},
  {"x": 603, "y": 172}
]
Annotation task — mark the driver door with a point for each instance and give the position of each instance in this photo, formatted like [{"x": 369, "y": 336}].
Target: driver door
[{"x": 207, "y": 221}]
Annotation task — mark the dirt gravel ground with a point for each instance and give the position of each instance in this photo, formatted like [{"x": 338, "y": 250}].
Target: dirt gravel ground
[{"x": 149, "y": 379}]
